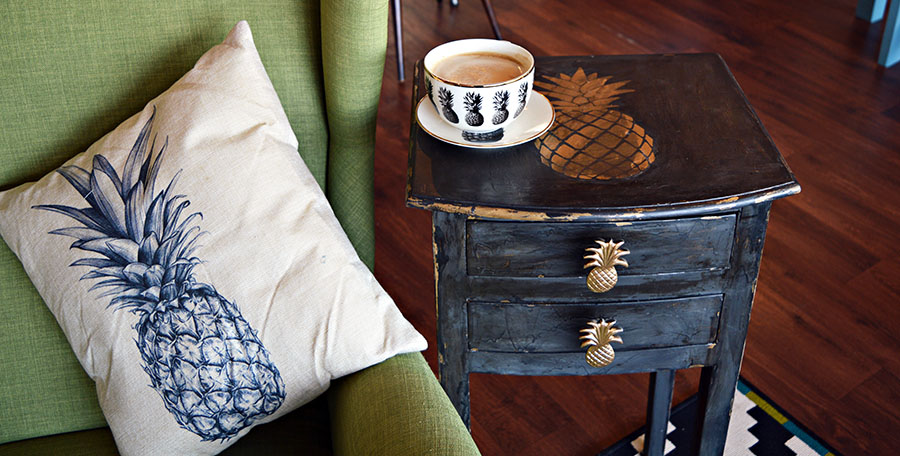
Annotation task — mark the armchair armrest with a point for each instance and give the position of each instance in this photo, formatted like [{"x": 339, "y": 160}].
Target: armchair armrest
[{"x": 396, "y": 408}]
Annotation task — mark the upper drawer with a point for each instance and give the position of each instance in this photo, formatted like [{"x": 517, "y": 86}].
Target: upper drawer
[{"x": 557, "y": 249}]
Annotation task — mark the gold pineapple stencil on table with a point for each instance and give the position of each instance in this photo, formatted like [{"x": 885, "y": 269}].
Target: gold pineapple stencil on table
[{"x": 590, "y": 140}]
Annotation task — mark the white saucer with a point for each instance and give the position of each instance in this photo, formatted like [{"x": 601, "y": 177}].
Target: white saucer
[{"x": 534, "y": 121}]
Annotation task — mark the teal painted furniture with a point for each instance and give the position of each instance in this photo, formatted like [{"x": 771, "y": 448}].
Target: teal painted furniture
[
  {"x": 873, "y": 11},
  {"x": 72, "y": 70}
]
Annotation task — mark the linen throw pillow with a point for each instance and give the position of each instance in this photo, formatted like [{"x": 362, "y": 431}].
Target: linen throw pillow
[{"x": 196, "y": 267}]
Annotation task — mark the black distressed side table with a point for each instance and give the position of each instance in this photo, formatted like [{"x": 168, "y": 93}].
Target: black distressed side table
[{"x": 661, "y": 156}]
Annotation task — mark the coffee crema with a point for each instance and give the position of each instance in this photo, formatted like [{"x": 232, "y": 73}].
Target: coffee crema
[{"x": 478, "y": 68}]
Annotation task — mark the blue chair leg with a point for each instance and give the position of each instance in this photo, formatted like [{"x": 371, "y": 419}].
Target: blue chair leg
[
  {"x": 890, "y": 44},
  {"x": 870, "y": 10}
]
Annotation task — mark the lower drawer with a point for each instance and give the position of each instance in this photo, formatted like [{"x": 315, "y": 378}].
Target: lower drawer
[
  {"x": 628, "y": 362},
  {"x": 554, "y": 327}
]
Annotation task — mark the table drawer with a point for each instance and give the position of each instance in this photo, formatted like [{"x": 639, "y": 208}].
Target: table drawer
[
  {"x": 554, "y": 327},
  {"x": 557, "y": 249}
]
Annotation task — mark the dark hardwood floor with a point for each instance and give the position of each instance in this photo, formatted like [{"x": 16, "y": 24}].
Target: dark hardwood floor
[{"x": 824, "y": 339}]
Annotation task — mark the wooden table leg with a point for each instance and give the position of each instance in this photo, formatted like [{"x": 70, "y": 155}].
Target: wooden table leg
[
  {"x": 452, "y": 321},
  {"x": 658, "y": 406},
  {"x": 719, "y": 379},
  {"x": 717, "y": 385},
  {"x": 452, "y": 362}
]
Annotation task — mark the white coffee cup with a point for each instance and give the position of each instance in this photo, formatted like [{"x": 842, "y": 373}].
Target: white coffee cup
[{"x": 480, "y": 100}]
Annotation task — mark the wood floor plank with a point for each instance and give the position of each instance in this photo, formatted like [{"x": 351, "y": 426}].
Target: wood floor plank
[
  {"x": 822, "y": 362},
  {"x": 875, "y": 403}
]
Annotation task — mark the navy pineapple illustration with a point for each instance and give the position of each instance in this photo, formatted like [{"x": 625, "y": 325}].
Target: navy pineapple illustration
[
  {"x": 207, "y": 364},
  {"x": 472, "y": 103},
  {"x": 446, "y": 99},
  {"x": 501, "y": 101},
  {"x": 523, "y": 94}
]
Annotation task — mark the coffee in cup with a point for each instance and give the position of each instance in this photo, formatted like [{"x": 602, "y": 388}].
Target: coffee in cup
[
  {"x": 479, "y": 86},
  {"x": 479, "y": 68}
]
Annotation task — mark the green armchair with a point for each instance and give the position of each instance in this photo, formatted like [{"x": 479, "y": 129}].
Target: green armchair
[{"x": 71, "y": 71}]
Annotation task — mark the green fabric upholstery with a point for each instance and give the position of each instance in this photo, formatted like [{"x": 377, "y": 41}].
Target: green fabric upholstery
[
  {"x": 353, "y": 68},
  {"x": 94, "y": 442},
  {"x": 43, "y": 389},
  {"x": 74, "y": 70},
  {"x": 400, "y": 399}
]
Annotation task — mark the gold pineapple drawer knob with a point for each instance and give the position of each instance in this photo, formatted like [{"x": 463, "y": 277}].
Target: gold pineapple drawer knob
[
  {"x": 597, "y": 338},
  {"x": 604, "y": 260}
]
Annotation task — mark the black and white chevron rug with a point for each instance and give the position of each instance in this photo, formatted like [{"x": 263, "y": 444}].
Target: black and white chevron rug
[{"x": 757, "y": 428}]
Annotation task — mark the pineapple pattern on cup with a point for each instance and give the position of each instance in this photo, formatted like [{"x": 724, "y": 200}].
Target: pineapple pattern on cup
[
  {"x": 590, "y": 140},
  {"x": 208, "y": 365},
  {"x": 523, "y": 94},
  {"x": 472, "y": 103},
  {"x": 501, "y": 101},
  {"x": 429, "y": 89},
  {"x": 446, "y": 99}
]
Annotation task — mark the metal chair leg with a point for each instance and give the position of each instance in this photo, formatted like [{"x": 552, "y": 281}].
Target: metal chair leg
[
  {"x": 398, "y": 38},
  {"x": 490, "y": 13}
]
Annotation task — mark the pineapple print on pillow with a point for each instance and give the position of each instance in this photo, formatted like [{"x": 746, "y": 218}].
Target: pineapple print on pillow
[{"x": 203, "y": 358}]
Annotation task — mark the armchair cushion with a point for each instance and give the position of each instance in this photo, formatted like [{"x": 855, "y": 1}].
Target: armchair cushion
[
  {"x": 190, "y": 342},
  {"x": 396, "y": 408}
]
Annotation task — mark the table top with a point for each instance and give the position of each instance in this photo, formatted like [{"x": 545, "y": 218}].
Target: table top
[{"x": 635, "y": 136}]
